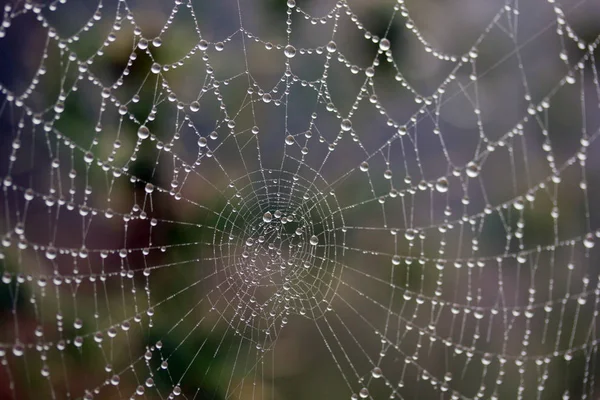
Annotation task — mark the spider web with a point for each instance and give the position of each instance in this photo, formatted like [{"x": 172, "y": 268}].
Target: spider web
[{"x": 358, "y": 199}]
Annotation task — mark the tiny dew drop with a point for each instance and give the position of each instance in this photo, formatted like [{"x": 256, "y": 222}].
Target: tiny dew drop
[
  {"x": 364, "y": 166},
  {"x": 289, "y": 140},
  {"x": 314, "y": 240}
]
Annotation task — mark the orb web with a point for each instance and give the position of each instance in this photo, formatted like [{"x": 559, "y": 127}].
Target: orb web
[{"x": 336, "y": 199}]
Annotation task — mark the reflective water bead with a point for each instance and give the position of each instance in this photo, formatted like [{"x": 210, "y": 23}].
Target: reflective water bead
[
  {"x": 472, "y": 170},
  {"x": 384, "y": 44},
  {"x": 376, "y": 373},
  {"x": 346, "y": 125},
  {"x": 267, "y": 217},
  {"x": 289, "y": 51},
  {"x": 331, "y": 47},
  {"x": 18, "y": 349},
  {"x": 589, "y": 241},
  {"x": 143, "y": 132},
  {"x": 155, "y": 69},
  {"x": 441, "y": 185},
  {"x": 51, "y": 253},
  {"x": 194, "y": 106}
]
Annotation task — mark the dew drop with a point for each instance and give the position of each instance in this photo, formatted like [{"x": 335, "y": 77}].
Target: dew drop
[
  {"x": 364, "y": 166},
  {"x": 331, "y": 47},
  {"x": 51, "y": 253},
  {"x": 472, "y": 170},
  {"x": 194, "y": 106},
  {"x": 314, "y": 240},
  {"x": 88, "y": 157},
  {"x": 267, "y": 217},
  {"x": 442, "y": 185},
  {"x": 143, "y": 132},
  {"x": 115, "y": 380},
  {"x": 589, "y": 242},
  {"x": 346, "y": 125},
  {"x": 155, "y": 69},
  {"x": 376, "y": 373},
  {"x": 289, "y": 140},
  {"x": 519, "y": 204},
  {"x": 289, "y": 51},
  {"x": 18, "y": 349},
  {"x": 384, "y": 44}
]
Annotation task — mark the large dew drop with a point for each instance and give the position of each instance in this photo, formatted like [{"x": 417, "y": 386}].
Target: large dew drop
[
  {"x": 346, "y": 125},
  {"x": 442, "y": 185},
  {"x": 194, "y": 106},
  {"x": 143, "y": 132},
  {"x": 472, "y": 170},
  {"x": 289, "y": 51},
  {"x": 589, "y": 241},
  {"x": 267, "y": 217},
  {"x": 384, "y": 44},
  {"x": 331, "y": 47}
]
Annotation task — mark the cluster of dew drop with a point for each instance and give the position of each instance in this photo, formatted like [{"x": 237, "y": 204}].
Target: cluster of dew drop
[{"x": 471, "y": 170}]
